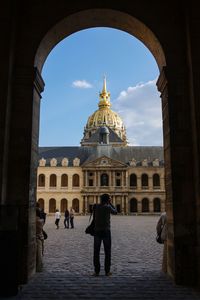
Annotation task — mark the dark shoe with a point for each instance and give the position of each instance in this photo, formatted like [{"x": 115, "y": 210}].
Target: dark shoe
[
  {"x": 109, "y": 274},
  {"x": 95, "y": 274}
]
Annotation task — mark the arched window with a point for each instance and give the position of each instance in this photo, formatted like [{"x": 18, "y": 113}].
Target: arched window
[
  {"x": 52, "y": 205},
  {"x": 156, "y": 181},
  {"x": 64, "y": 180},
  {"x": 145, "y": 205},
  {"x": 41, "y": 203},
  {"x": 75, "y": 205},
  {"x": 156, "y": 205},
  {"x": 133, "y": 181},
  {"x": 41, "y": 180},
  {"x": 104, "y": 179},
  {"x": 53, "y": 180},
  {"x": 63, "y": 205},
  {"x": 145, "y": 181},
  {"x": 75, "y": 180},
  {"x": 133, "y": 205}
]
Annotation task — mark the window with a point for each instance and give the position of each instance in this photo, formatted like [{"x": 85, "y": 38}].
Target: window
[
  {"x": 133, "y": 181},
  {"x": 156, "y": 205},
  {"x": 75, "y": 180},
  {"x": 145, "y": 181},
  {"x": 145, "y": 205},
  {"x": 75, "y": 205},
  {"x": 118, "y": 182},
  {"x": 41, "y": 180},
  {"x": 104, "y": 179},
  {"x": 90, "y": 182},
  {"x": 156, "y": 181},
  {"x": 63, "y": 205},
  {"x": 52, "y": 205},
  {"x": 64, "y": 180},
  {"x": 133, "y": 205},
  {"x": 53, "y": 180}
]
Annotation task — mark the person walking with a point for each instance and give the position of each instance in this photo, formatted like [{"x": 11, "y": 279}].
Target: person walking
[
  {"x": 43, "y": 215},
  {"x": 161, "y": 229},
  {"x": 101, "y": 215},
  {"x": 57, "y": 218},
  {"x": 66, "y": 220},
  {"x": 71, "y": 217}
]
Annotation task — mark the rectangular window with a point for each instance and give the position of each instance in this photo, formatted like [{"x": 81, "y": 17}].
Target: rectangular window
[
  {"x": 118, "y": 182},
  {"x": 90, "y": 182}
]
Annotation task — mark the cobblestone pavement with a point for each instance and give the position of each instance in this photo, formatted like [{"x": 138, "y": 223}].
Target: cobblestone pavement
[{"x": 136, "y": 264}]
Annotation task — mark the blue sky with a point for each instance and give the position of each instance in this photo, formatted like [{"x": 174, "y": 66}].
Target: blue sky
[{"x": 73, "y": 75}]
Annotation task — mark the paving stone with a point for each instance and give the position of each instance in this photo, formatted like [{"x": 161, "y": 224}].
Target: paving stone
[{"x": 136, "y": 265}]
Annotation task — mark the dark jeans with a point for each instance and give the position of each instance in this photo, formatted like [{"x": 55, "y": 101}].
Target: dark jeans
[
  {"x": 104, "y": 236},
  {"x": 57, "y": 222},
  {"x": 66, "y": 220},
  {"x": 72, "y": 222}
]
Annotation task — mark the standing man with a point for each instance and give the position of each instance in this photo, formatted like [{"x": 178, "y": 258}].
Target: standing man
[
  {"x": 66, "y": 218},
  {"x": 102, "y": 213},
  {"x": 71, "y": 216},
  {"x": 57, "y": 218}
]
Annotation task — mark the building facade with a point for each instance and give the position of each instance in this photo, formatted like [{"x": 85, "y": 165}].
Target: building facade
[{"x": 104, "y": 163}]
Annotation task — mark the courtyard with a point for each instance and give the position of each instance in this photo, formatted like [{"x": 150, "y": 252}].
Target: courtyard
[{"x": 136, "y": 264}]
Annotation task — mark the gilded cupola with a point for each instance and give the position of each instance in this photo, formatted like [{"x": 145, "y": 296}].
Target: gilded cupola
[{"x": 104, "y": 116}]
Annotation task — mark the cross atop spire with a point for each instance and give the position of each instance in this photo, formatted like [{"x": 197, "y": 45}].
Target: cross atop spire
[
  {"x": 104, "y": 96},
  {"x": 104, "y": 85}
]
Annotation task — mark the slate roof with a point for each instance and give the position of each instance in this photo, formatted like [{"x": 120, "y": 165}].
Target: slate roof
[
  {"x": 87, "y": 154},
  {"x": 113, "y": 137}
]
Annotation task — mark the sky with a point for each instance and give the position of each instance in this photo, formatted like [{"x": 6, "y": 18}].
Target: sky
[{"x": 73, "y": 74}]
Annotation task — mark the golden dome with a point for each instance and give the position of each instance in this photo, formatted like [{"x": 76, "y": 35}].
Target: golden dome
[{"x": 104, "y": 116}]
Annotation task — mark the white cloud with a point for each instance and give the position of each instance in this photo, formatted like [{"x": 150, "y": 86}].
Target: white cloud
[
  {"x": 140, "y": 108},
  {"x": 81, "y": 84}
]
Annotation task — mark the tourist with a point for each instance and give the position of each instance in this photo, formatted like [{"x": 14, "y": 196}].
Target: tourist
[
  {"x": 66, "y": 220},
  {"x": 57, "y": 218},
  {"x": 43, "y": 215},
  {"x": 71, "y": 216},
  {"x": 101, "y": 216}
]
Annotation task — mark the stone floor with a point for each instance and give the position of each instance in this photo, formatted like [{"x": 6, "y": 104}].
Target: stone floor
[{"x": 136, "y": 264}]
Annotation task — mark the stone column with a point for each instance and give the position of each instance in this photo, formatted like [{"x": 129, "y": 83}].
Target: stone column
[
  {"x": 86, "y": 178},
  {"x": 127, "y": 205},
  {"x": 86, "y": 204},
  {"x": 150, "y": 178},
  {"x": 139, "y": 183},
  {"x": 139, "y": 206},
  {"x": 122, "y": 203}
]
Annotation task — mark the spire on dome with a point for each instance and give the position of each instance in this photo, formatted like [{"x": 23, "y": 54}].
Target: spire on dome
[
  {"x": 104, "y": 96},
  {"x": 104, "y": 85}
]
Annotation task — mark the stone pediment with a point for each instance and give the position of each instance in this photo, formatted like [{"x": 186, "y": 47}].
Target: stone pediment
[{"x": 104, "y": 161}]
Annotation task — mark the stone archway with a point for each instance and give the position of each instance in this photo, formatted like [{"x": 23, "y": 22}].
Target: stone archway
[{"x": 29, "y": 39}]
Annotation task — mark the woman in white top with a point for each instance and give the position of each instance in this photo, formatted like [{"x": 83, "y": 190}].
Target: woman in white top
[{"x": 57, "y": 218}]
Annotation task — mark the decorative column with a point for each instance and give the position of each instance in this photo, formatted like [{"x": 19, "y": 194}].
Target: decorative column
[
  {"x": 122, "y": 202},
  {"x": 86, "y": 204},
  {"x": 139, "y": 206},
  {"x": 139, "y": 183},
  {"x": 127, "y": 205},
  {"x": 86, "y": 178},
  {"x": 150, "y": 179}
]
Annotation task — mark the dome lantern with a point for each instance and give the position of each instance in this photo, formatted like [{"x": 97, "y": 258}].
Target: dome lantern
[{"x": 104, "y": 116}]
